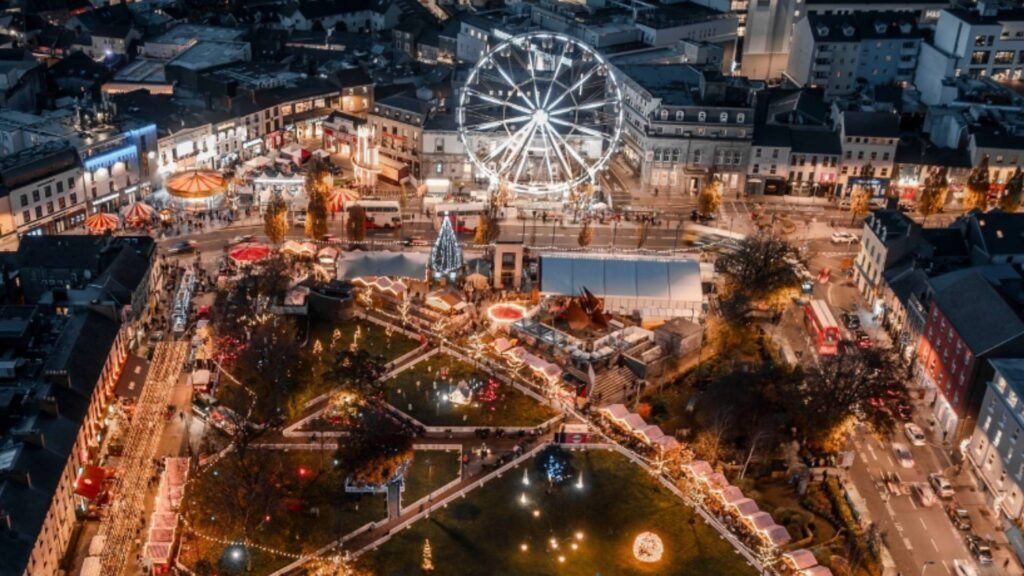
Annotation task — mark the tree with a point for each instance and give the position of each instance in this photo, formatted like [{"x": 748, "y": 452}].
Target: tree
[
  {"x": 586, "y": 235},
  {"x": 852, "y": 385},
  {"x": 933, "y": 195},
  {"x": 275, "y": 219},
  {"x": 446, "y": 254},
  {"x": 759, "y": 266},
  {"x": 377, "y": 449},
  {"x": 355, "y": 226},
  {"x": 1011, "y": 199},
  {"x": 316, "y": 189},
  {"x": 360, "y": 373},
  {"x": 488, "y": 229},
  {"x": 976, "y": 191},
  {"x": 641, "y": 234},
  {"x": 710, "y": 198},
  {"x": 271, "y": 279}
]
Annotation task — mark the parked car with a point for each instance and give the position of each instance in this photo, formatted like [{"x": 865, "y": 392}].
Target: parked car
[
  {"x": 963, "y": 568},
  {"x": 914, "y": 434},
  {"x": 902, "y": 453},
  {"x": 923, "y": 494},
  {"x": 240, "y": 239},
  {"x": 942, "y": 486},
  {"x": 959, "y": 516},
  {"x": 416, "y": 241},
  {"x": 863, "y": 340},
  {"x": 980, "y": 549},
  {"x": 851, "y": 321},
  {"x": 843, "y": 238},
  {"x": 182, "y": 247}
]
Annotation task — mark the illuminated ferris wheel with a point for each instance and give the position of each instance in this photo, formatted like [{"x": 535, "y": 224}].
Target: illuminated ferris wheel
[{"x": 541, "y": 112}]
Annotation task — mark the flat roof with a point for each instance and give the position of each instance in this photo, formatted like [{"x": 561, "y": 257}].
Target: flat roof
[{"x": 206, "y": 55}]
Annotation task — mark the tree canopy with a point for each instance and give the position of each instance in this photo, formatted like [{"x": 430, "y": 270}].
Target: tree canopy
[
  {"x": 275, "y": 219},
  {"x": 377, "y": 448},
  {"x": 355, "y": 226},
  {"x": 1011, "y": 198},
  {"x": 759, "y": 266},
  {"x": 976, "y": 190},
  {"x": 932, "y": 196}
]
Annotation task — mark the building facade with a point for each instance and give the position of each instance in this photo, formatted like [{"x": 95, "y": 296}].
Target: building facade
[{"x": 995, "y": 451}]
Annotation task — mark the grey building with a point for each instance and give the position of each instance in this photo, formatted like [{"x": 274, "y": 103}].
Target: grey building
[
  {"x": 848, "y": 52},
  {"x": 996, "y": 452}
]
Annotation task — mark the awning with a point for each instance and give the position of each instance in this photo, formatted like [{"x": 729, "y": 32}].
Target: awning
[{"x": 90, "y": 483}]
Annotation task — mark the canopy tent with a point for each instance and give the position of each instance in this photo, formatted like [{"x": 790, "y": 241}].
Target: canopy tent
[
  {"x": 745, "y": 507},
  {"x": 249, "y": 252},
  {"x": 615, "y": 411},
  {"x": 195, "y": 184},
  {"x": 338, "y": 198},
  {"x": 776, "y": 535},
  {"x": 716, "y": 481},
  {"x": 90, "y": 483},
  {"x": 759, "y": 521},
  {"x": 327, "y": 255},
  {"x": 667, "y": 442},
  {"x": 650, "y": 433},
  {"x": 100, "y": 222},
  {"x": 394, "y": 264},
  {"x": 698, "y": 468},
  {"x": 138, "y": 214},
  {"x": 201, "y": 378},
  {"x": 502, "y": 345},
  {"x": 729, "y": 495},
  {"x": 800, "y": 559},
  {"x": 651, "y": 286},
  {"x": 445, "y": 301}
]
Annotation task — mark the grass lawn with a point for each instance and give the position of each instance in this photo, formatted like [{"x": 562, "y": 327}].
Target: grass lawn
[
  {"x": 373, "y": 338},
  {"x": 429, "y": 470},
  {"x": 302, "y": 482},
  {"x": 510, "y": 408},
  {"x": 482, "y": 534}
]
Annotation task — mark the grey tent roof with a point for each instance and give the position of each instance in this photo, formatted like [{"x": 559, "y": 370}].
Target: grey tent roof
[
  {"x": 622, "y": 276},
  {"x": 393, "y": 264}
]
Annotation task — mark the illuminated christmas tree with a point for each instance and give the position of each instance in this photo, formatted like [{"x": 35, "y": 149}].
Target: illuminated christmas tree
[
  {"x": 428, "y": 557},
  {"x": 446, "y": 255}
]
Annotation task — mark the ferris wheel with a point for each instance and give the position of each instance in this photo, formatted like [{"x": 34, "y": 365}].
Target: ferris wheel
[{"x": 542, "y": 113}]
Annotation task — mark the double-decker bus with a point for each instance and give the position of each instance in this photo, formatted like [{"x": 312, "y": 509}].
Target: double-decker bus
[
  {"x": 465, "y": 216},
  {"x": 380, "y": 214},
  {"x": 822, "y": 327}
]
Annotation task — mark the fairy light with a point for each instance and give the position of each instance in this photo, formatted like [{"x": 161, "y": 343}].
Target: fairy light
[{"x": 648, "y": 547}]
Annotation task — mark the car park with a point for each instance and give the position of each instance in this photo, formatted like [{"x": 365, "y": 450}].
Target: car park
[
  {"x": 903, "y": 456},
  {"x": 914, "y": 434},
  {"x": 942, "y": 486},
  {"x": 959, "y": 516}
]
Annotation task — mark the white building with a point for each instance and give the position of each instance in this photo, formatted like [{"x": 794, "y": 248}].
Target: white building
[
  {"x": 41, "y": 191},
  {"x": 869, "y": 142},
  {"x": 974, "y": 43}
]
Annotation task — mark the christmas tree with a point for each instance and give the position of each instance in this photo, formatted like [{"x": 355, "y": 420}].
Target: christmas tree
[
  {"x": 428, "y": 557},
  {"x": 446, "y": 255}
]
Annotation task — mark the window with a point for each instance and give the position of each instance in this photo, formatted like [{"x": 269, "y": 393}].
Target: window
[
  {"x": 74, "y": 198},
  {"x": 49, "y": 207},
  {"x": 696, "y": 154},
  {"x": 980, "y": 57},
  {"x": 757, "y": 168},
  {"x": 24, "y": 200},
  {"x": 679, "y": 116},
  {"x": 60, "y": 187},
  {"x": 723, "y": 117},
  {"x": 35, "y": 195},
  {"x": 39, "y": 211},
  {"x": 26, "y": 216},
  {"x": 740, "y": 118},
  {"x": 664, "y": 114},
  {"x": 757, "y": 152},
  {"x": 439, "y": 168},
  {"x": 62, "y": 202},
  {"x": 775, "y": 154},
  {"x": 702, "y": 116},
  {"x": 71, "y": 183}
]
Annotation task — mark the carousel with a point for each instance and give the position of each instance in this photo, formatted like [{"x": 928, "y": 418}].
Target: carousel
[{"x": 195, "y": 190}]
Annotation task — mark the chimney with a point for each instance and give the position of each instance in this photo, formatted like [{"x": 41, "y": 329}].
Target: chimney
[
  {"x": 48, "y": 404},
  {"x": 33, "y": 437},
  {"x": 19, "y": 476}
]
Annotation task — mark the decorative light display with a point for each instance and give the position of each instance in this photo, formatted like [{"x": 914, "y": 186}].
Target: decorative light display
[
  {"x": 427, "y": 565},
  {"x": 648, "y": 547},
  {"x": 446, "y": 255},
  {"x": 506, "y": 312}
]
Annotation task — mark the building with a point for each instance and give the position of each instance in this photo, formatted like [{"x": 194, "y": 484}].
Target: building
[
  {"x": 973, "y": 316},
  {"x": 994, "y": 451},
  {"x": 846, "y": 53},
  {"x": 682, "y": 124},
  {"x": 979, "y": 42},
  {"x": 869, "y": 142},
  {"x": 183, "y": 36},
  {"x": 41, "y": 191},
  {"x": 444, "y": 155},
  {"x": 793, "y": 160},
  {"x": 398, "y": 123},
  {"x": 22, "y": 82},
  {"x": 889, "y": 237}
]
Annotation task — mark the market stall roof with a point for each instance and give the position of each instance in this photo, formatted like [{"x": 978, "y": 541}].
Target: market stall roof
[
  {"x": 650, "y": 433},
  {"x": 195, "y": 184},
  {"x": 97, "y": 544},
  {"x": 90, "y": 483},
  {"x": 382, "y": 284},
  {"x": 777, "y": 535},
  {"x": 760, "y": 520},
  {"x": 633, "y": 421},
  {"x": 716, "y": 481},
  {"x": 746, "y": 507},
  {"x": 698, "y": 468},
  {"x": 394, "y": 264},
  {"x": 616, "y": 411},
  {"x": 801, "y": 559},
  {"x": 730, "y": 494},
  {"x": 101, "y": 222},
  {"x": 627, "y": 276},
  {"x": 445, "y": 301},
  {"x": 667, "y": 442}
]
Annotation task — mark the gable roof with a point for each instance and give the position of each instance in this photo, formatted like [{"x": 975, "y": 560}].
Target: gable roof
[
  {"x": 977, "y": 311},
  {"x": 871, "y": 124}
]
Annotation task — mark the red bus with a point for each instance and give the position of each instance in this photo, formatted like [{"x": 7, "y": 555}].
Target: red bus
[{"x": 822, "y": 327}]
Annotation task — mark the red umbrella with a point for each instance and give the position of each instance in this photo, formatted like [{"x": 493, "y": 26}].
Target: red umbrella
[
  {"x": 101, "y": 222},
  {"x": 249, "y": 252}
]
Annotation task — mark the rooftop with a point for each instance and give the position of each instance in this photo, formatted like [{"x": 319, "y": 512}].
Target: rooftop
[
  {"x": 205, "y": 55},
  {"x": 681, "y": 85},
  {"x": 978, "y": 312},
  {"x": 185, "y": 33},
  {"x": 871, "y": 124},
  {"x": 35, "y": 163},
  {"x": 863, "y": 26}
]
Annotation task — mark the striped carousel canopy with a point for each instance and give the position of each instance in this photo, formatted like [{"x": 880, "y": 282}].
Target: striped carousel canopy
[
  {"x": 196, "y": 184},
  {"x": 101, "y": 222}
]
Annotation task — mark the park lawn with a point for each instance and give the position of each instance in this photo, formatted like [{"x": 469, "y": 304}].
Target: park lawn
[
  {"x": 428, "y": 471},
  {"x": 373, "y": 338},
  {"x": 294, "y": 532},
  {"x": 482, "y": 533},
  {"x": 425, "y": 404}
]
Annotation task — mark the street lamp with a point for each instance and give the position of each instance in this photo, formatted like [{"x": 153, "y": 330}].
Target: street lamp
[{"x": 926, "y": 565}]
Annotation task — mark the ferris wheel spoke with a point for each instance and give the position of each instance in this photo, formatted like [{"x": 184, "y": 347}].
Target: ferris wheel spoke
[
  {"x": 554, "y": 76},
  {"x": 581, "y": 107},
  {"x": 498, "y": 101},
  {"x": 583, "y": 79},
  {"x": 511, "y": 84},
  {"x": 548, "y": 145},
  {"x": 581, "y": 129},
  {"x": 558, "y": 153},
  {"x": 571, "y": 151},
  {"x": 496, "y": 123},
  {"x": 517, "y": 146},
  {"x": 503, "y": 146}
]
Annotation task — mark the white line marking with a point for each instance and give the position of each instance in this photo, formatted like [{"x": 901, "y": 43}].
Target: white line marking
[{"x": 934, "y": 545}]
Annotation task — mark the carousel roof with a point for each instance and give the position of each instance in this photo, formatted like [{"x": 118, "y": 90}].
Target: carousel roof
[
  {"x": 102, "y": 221},
  {"x": 195, "y": 184}
]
